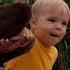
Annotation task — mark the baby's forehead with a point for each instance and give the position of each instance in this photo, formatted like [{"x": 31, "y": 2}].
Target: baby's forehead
[
  {"x": 54, "y": 6},
  {"x": 57, "y": 9},
  {"x": 44, "y": 6},
  {"x": 49, "y": 4}
]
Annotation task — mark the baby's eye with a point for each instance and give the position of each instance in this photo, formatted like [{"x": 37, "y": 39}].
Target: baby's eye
[
  {"x": 64, "y": 23},
  {"x": 52, "y": 20}
]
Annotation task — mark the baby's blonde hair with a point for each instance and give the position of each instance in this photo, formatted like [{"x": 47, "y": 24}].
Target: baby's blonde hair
[{"x": 36, "y": 7}]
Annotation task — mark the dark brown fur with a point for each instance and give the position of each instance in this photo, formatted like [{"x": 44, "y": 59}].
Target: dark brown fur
[{"x": 13, "y": 18}]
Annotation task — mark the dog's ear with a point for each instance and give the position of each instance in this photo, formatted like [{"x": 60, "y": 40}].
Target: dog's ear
[{"x": 13, "y": 18}]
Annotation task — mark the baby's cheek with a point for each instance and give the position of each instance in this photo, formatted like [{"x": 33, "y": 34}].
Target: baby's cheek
[{"x": 64, "y": 32}]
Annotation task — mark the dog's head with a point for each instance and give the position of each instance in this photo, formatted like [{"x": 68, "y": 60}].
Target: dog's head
[{"x": 13, "y": 18}]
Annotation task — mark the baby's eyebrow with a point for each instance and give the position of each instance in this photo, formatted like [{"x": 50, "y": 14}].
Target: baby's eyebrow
[{"x": 52, "y": 17}]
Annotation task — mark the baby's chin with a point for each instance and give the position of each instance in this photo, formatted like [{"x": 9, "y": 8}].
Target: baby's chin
[{"x": 51, "y": 43}]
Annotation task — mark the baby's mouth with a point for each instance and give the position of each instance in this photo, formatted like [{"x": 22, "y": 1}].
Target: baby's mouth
[{"x": 54, "y": 35}]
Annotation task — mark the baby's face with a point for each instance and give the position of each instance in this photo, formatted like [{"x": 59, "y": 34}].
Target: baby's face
[{"x": 51, "y": 25}]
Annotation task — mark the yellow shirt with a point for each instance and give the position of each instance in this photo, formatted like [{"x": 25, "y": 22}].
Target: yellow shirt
[{"x": 38, "y": 58}]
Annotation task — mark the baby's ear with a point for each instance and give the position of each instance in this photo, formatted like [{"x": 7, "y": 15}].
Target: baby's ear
[{"x": 33, "y": 21}]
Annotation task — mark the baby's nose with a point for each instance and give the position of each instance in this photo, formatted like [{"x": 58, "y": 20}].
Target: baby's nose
[{"x": 58, "y": 26}]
